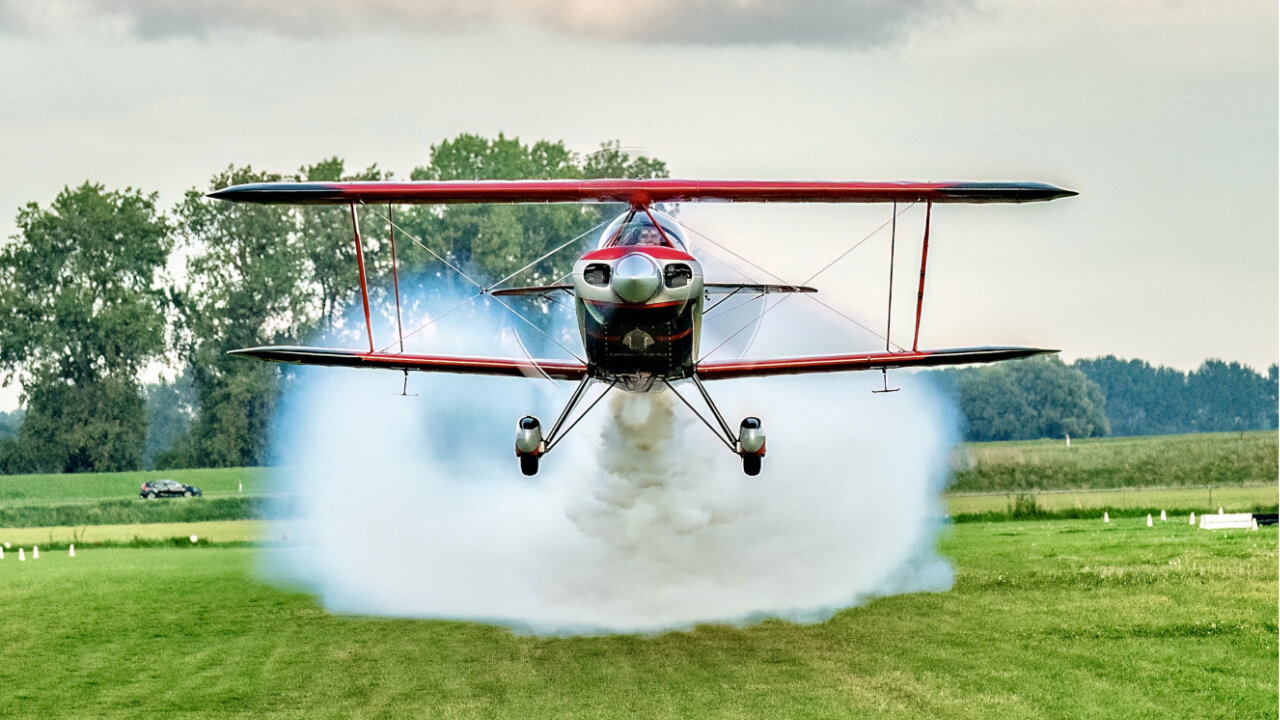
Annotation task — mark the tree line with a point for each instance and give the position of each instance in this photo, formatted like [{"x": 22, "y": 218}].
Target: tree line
[
  {"x": 1044, "y": 397},
  {"x": 101, "y": 285}
]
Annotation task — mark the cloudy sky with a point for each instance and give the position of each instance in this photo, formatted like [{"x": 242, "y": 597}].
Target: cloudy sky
[{"x": 1162, "y": 113}]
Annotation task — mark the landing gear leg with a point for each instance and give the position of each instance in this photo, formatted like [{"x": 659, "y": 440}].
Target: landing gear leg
[
  {"x": 530, "y": 443},
  {"x": 747, "y": 444}
]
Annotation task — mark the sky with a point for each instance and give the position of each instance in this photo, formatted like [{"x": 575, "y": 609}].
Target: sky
[{"x": 1162, "y": 114}]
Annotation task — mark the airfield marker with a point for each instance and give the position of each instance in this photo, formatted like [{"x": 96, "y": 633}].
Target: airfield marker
[
  {"x": 22, "y": 556},
  {"x": 1106, "y": 517},
  {"x": 1149, "y": 520},
  {"x": 35, "y": 552},
  {"x": 1193, "y": 518},
  {"x": 1163, "y": 517},
  {"x": 1219, "y": 509},
  {"x": 1, "y": 553},
  {"x": 71, "y": 551},
  {"x": 194, "y": 538}
]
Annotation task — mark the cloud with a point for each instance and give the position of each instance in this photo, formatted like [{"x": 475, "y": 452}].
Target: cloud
[{"x": 839, "y": 23}]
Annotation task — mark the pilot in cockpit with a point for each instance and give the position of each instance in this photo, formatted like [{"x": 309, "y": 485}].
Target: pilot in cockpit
[{"x": 647, "y": 235}]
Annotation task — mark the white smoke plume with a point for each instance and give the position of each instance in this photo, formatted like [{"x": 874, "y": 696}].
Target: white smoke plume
[{"x": 640, "y": 522}]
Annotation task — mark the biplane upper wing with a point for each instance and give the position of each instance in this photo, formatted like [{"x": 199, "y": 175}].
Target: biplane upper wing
[
  {"x": 713, "y": 288},
  {"x": 637, "y": 193},
  {"x": 459, "y": 364},
  {"x": 725, "y": 369}
]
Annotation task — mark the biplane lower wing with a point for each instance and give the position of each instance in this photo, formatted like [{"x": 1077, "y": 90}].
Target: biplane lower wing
[
  {"x": 726, "y": 369},
  {"x": 458, "y": 364}
]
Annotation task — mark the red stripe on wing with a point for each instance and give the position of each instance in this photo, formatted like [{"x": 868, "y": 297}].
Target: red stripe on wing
[
  {"x": 458, "y": 364},
  {"x": 725, "y": 369}
]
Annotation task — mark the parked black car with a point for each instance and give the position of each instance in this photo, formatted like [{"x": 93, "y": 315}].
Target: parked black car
[{"x": 167, "y": 488}]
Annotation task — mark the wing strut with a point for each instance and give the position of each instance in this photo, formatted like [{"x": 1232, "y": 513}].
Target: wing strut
[
  {"x": 395, "y": 280},
  {"x": 924, "y": 257},
  {"x": 364, "y": 286},
  {"x": 893, "y": 244}
]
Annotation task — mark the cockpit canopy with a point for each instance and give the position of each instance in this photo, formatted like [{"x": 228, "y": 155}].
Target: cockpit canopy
[{"x": 640, "y": 230}]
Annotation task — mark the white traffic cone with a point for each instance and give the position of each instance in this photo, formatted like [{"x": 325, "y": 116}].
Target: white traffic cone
[
  {"x": 1148, "y": 519},
  {"x": 71, "y": 551},
  {"x": 35, "y": 552},
  {"x": 1163, "y": 517},
  {"x": 1106, "y": 517},
  {"x": 22, "y": 555},
  {"x": 1255, "y": 523},
  {"x": 1, "y": 553},
  {"x": 1219, "y": 510},
  {"x": 1193, "y": 518}
]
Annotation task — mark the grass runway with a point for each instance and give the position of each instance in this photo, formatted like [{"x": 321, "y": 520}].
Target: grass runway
[{"x": 1047, "y": 619}]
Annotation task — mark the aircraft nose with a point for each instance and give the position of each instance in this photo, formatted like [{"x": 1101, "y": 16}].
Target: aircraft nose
[{"x": 636, "y": 278}]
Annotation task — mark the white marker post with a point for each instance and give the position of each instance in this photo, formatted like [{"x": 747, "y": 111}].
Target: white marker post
[
  {"x": 1106, "y": 517},
  {"x": 1219, "y": 510},
  {"x": 1163, "y": 517},
  {"x": 1149, "y": 520},
  {"x": 71, "y": 551},
  {"x": 1, "y": 553},
  {"x": 1255, "y": 523},
  {"x": 35, "y": 552},
  {"x": 22, "y": 555},
  {"x": 1193, "y": 518}
]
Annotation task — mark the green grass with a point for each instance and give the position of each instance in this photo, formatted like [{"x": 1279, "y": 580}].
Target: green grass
[
  {"x": 1128, "y": 502},
  {"x": 1168, "y": 460},
  {"x": 1058, "y": 619},
  {"x": 218, "y": 531},
  {"x": 132, "y": 511},
  {"x": 32, "y": 489}
]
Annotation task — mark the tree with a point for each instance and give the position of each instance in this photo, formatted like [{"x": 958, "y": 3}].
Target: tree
[
  {"x": 1230, "y": 397},
  {"x": 1141, "y": 399},
  {"x": 170, "y": 407},
  {"x": 490, "y": 242},
  {"x": 1218, "y": 396},
  {"x": 325, "y": 232},
  {"x": 85, "y": 308},
  {"x": 246, "y": 286},
  {"x": 1025, "y": 399}
]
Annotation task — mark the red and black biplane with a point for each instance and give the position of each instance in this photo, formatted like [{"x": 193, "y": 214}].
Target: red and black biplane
[{"x": 640, "y": 294}]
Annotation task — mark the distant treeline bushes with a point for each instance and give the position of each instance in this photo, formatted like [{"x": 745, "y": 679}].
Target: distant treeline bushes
[{"x": 1044, "y": 397}]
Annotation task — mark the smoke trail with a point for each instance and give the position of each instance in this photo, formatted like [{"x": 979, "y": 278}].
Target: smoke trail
[{"x": 639, "y": 522}]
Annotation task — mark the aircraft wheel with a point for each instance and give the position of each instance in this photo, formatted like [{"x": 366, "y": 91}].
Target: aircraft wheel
[
  {"x": 529, "y": 464},
  {"x": 151, "y": 496},
  {"x": 751, "y": 463}
]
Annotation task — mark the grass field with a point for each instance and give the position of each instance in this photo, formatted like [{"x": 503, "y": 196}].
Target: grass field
[
  {"x": 33, "y": 489},
  {"x": 1167, "y": 460},
  {"x": 217, "y": 531},
  {"x": 1050, "y": 619},
  {"x": 1128, "y": 501}
]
